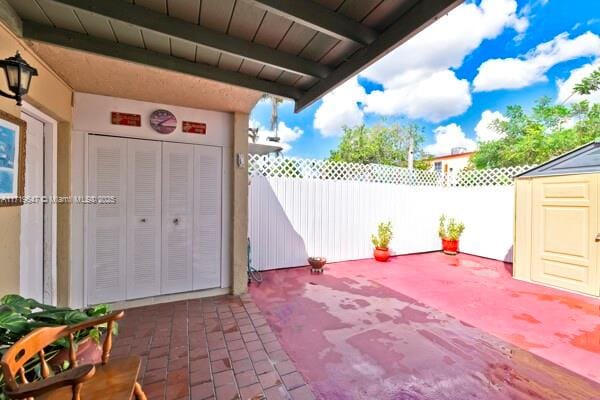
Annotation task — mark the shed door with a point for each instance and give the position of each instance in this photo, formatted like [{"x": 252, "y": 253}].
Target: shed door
[{"x": 565, "y": 225}]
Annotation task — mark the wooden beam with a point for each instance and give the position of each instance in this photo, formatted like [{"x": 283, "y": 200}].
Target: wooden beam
[
  {"x": 319, "y": 18},
  {"x": 418, "y": 17},
  {"x": 45, "y": 33},
  {"x": 176, "y": 28},
  {"x": 10, "y": 18}
]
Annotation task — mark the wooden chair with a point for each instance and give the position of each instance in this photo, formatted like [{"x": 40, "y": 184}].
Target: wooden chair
[{"x": 113, "y": 380}]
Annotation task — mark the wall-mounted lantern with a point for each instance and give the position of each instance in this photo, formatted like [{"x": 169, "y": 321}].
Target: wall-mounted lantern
[{"x": 18, "y": 77}]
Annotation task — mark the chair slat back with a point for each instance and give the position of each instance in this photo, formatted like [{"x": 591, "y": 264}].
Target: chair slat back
[{"x": 13, "y": 361}]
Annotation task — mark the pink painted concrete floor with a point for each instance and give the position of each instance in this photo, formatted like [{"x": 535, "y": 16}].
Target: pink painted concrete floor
[{"x": 431, "y": 326}]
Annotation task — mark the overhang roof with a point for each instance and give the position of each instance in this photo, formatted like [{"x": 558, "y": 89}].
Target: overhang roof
[
  {"x": 299, "y": 49},
  {"x": 263, "y": 148},
  {"x": 456, "y": 155}
]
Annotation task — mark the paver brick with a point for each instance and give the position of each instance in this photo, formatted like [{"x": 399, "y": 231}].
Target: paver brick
[{"x": 214, "y": 348}]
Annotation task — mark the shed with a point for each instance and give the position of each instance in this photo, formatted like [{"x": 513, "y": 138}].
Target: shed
[{"x": 557, "y": 222}]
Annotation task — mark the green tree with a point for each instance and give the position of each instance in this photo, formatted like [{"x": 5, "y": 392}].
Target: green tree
[
  {"x": 548, "y": 131},
  {"x": 381, "y": 143},
  {"x": 588, "y": 84}
]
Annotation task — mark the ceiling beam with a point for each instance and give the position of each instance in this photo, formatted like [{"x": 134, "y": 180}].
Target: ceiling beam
[
  {"x": 319, "y": 18},
  {"x": 418, "y": 17},
  {"x": 193, "y": 33},
  {"x": 10, "y": 18},
  {"x": 45, "y": 33}
]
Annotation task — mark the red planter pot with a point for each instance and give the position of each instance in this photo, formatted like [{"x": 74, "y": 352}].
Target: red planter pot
[
  {"x": 88, "y": 352},
  {"x": 381, "y": 254},
  {"x": 450, "y": 246}
]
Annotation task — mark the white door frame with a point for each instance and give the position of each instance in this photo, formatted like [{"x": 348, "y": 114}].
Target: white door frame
[{"x": 50, "y": 210}]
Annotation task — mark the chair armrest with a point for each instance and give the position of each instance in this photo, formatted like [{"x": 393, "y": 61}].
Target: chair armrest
[
  {"x": 113, "y": 316},
  {"x": 67, "y": 378}
]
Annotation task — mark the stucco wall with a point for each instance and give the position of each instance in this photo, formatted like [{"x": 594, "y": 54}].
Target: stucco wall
[
  {"x": 240, "y": 205},
  {"x": 53, "y": 96}
]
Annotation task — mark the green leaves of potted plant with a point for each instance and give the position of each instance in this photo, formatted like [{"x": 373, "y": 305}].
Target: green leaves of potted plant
[
  {"x": 381, "y": 241},
  {"x": 449, "y": 231},
  {"x": 19, "y": 316}
]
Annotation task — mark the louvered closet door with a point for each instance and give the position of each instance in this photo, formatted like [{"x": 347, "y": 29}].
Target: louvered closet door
[
  {"x": 207, "y": 216},
  {"x": 143, "y": 218},
  {"x": 177, "y": 222},
  {"x": 106, "y": 225}
]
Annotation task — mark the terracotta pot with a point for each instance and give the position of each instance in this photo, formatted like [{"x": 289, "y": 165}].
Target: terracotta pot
[
  {"x": 381, "y": 254},
  {"x": 317, "y": 262},
  {"x": 88, "y": 352},
  {"x": 450, "y": 246}
]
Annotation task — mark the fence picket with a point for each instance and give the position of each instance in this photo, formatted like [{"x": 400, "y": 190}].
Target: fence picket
[{"x": 302, "y": 207}]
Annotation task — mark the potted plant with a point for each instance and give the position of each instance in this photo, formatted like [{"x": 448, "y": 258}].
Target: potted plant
[
  {"x": 449, "y": 231},
  {"x": 381, "y": 241},
  {"x": 19, "y": 316},
  {"x": 317, "y": 263}
]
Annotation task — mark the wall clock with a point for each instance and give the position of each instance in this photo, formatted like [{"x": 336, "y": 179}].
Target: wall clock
[{"x": 163, "y": 121}]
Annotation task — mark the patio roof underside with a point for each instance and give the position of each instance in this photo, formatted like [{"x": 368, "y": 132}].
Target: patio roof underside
[{"x": 289, "y": 48}]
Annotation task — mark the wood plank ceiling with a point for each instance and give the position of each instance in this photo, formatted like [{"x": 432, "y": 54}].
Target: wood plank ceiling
[{"x": 291, "y": 48}]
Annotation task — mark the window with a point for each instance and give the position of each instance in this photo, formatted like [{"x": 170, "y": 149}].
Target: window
[{"x": 437, "y": 166}]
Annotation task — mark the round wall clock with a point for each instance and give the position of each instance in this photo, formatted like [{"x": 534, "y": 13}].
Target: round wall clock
[{"x": 163, "y": 121}]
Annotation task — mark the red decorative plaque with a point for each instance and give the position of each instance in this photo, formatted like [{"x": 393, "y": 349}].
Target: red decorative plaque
[
  {"x": 118, "y": 118},
  {"x": 194, "y": 127}
]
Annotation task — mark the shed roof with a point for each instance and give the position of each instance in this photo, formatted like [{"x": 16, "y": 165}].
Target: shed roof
[
  {"x": 290, "y": 48},
  {"x": 584, "y": 159}
]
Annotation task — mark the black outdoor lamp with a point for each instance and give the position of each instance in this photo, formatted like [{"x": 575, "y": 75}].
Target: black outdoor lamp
[{"x": 18, "y": 76}]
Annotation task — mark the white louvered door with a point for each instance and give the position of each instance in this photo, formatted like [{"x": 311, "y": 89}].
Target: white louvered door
[
  {"x": 177, "y": 217},
  {"x": 107, "y": 223},
  {"x": 207, "y": 217},
  {"x": 143, "y": 218}
]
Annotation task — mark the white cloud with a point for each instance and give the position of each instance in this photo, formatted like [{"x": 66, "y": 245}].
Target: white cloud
[
  {"x": 286, "y": 134},
  {"x": 448, "y": 137},
  {"x": 516, "y": 73},
  {"x": 565, "y": 88},
  {"x": 447, "y": 42},
  {"x": 484, "y": 130},
  {"x": 434, "y": 98},
  {"x": 339, "y": 108},
  {"x": 410, "y": 73}
]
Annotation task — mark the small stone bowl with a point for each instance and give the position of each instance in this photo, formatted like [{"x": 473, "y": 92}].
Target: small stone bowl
[{"x": 317, "y": 263}]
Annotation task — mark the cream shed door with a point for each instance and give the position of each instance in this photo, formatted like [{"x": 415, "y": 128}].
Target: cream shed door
[{"x": 565, "y": 225}]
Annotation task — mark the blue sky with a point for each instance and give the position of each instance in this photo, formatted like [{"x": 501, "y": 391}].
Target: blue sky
[{"x": 457, "y": 76}]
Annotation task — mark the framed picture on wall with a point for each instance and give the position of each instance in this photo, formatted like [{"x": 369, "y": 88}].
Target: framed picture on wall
[{"x": 12, "y": 160}]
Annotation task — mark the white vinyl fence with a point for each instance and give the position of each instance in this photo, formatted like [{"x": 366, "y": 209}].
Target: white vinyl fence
[{"x": 301, "y": 208}]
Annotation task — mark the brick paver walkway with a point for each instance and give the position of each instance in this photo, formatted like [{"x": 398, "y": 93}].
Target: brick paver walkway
[{"x": 214, "y": 348}]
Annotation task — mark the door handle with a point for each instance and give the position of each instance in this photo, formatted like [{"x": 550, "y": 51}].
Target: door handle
[
  {"x": 176, "y": 222},
  {"x": 597, "y": 237},
  {"x": 143, "y": 220}
]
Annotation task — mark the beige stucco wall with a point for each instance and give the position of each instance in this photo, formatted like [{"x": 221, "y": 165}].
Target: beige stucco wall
[
  {"x": 240, "y": 205},
  {"x": 51, "y": 95}
]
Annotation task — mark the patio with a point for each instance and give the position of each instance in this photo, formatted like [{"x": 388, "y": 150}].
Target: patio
[
  {"x": 214, "y": 348},
  {"x": 432, "y": 326}
]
